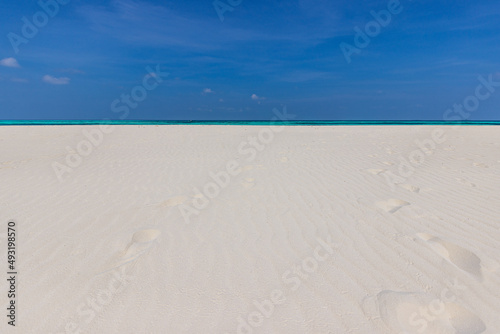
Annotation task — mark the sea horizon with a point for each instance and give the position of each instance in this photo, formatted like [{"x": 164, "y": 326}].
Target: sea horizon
[{"x": 243, "y": 122}]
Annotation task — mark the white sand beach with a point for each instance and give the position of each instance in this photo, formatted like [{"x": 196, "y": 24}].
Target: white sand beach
[{"x": 302, "y": 229}]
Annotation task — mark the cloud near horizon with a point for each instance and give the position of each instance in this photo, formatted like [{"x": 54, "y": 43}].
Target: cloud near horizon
[
  {"x": 55, "y": 81},
  {"x": 256, "y": 97},
  {"x": 9, "y": 62}
]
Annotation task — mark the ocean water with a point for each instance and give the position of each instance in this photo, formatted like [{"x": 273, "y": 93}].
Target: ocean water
[{"x": 290, "y": 123}]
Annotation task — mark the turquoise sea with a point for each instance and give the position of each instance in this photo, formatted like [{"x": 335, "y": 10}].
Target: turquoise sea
[{"x": 189, "y": 122}]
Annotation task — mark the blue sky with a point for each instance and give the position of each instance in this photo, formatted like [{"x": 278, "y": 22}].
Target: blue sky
[{"x": 262, "y": 55}]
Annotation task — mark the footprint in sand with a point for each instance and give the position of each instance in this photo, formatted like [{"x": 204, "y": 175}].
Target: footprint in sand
[
  {"x": 480, "y": 165},
  {"x": 464, "y": 181},
  {"x": 392, "y": 205},
  {"x": 140, "y": 242},
  {"x": 248, "y": 183},
  {"x": 389, "y": 151},
  {"x": 456, "y": 255},
  {"x": 410, "y": 187},
  {"x": 174, "y": 201},
  {"x": 414, "y": 312},
  {"x": 375, "y": 171}
]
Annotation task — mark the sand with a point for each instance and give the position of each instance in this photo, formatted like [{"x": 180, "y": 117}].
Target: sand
[{"x": 202, "y": 229}]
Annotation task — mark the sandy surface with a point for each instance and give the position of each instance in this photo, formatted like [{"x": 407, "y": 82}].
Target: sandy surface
[{"x": 311, "y": 230}]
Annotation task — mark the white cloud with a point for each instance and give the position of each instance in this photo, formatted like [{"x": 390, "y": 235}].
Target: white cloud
[
  {"x": 208, "y": 91},
  {"x": 9, "y": 62},
  {"x": 256, "y": 97},
  {"x": 55, "y": 81}
]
